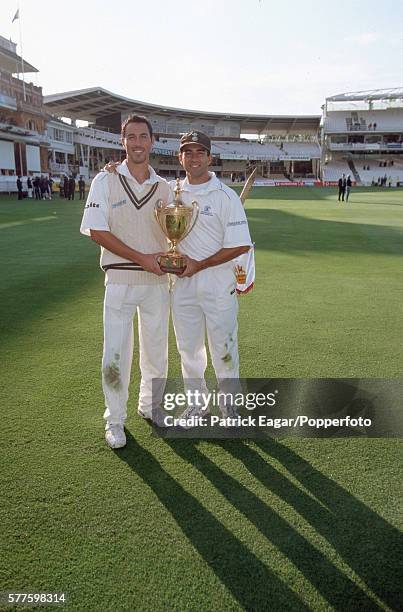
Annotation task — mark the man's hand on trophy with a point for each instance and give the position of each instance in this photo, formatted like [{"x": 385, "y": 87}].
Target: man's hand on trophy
[
  {"x": 111, "y": 166},
  {"x": 192, "y": 267},
  {"x": 150, "y": 263}
]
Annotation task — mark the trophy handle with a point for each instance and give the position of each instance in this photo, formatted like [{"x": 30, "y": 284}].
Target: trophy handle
[
  {"x": 158, "y": 206},
  {"x": 196, "y": 216}
]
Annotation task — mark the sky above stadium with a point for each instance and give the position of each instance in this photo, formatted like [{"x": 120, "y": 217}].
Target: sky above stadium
[{"x": 244, "y": 56}]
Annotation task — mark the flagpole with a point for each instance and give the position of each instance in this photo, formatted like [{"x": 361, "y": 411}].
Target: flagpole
[
  {"x": 17, "y": 63},
  {"x": 22, "y": 57}
]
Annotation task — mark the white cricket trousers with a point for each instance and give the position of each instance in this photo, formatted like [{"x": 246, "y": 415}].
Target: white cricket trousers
[
  {"x": 204, "y": 302},
  {"x": 121, "y": 303}
]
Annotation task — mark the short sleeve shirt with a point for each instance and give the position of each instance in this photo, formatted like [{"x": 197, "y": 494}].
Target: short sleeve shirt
[{"x": 96, "y": 209}]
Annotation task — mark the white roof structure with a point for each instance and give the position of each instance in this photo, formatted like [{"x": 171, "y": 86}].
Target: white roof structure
[
  {"x": 394, "y": 93},
  {"x": 95, "y": 102}
]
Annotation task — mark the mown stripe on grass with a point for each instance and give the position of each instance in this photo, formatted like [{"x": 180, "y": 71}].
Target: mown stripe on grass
[{"x": 24, "y": 222}]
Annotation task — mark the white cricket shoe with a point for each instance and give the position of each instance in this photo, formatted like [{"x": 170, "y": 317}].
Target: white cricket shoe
[
  {"x": 229, "y": 412},
  {"x": 145, "y": 413},
  {"x": 191, "y": 416},
  {"x": 115, "y": 436}
]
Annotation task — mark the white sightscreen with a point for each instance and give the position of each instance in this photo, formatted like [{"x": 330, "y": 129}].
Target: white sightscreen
[
  {"x": 33, "y": 159},
  {"x": 7, "y": 161}
]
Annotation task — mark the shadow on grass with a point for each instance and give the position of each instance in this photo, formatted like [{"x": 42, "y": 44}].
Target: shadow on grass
[
  {"x": 277, "y": 230},
  {"x": 367, "y": 543},
  {"x": 250, "y": 582},
  {"x": 334, "y": 586}
]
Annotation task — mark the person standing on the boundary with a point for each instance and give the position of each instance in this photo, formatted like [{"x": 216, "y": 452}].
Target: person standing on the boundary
[
  {"x": 81, "y": 188},
  {"x": 348, "y": 187},
  {"x": 29, "y": 187},
  {"x": 50, "y": 186},
  {"x": 119, "y": 216},
  {"x": 61, "y": 186},
  {"x": 37, "y": 187},
  {"x": 204, "y": 295},
  {"x": 72, "y": 187},
  {"x": 342, "y": 187},
  {"x": 19, "y": 188}
]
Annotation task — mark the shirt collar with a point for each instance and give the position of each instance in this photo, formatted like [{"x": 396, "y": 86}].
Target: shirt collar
[
  {"x": 154, "y": 178},
  {"x": 212, "y": 185}
]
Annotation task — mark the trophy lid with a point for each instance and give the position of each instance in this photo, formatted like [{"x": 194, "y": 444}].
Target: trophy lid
[
  {"x": 177, "y": 195},
  {"x": 177, "y": 191}
]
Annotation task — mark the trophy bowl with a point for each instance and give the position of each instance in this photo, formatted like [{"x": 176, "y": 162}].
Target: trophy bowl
[{"x": 176, "y": 221}]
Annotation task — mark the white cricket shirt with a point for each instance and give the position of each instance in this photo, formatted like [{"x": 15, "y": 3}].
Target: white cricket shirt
[{"x": 222, "y": 221}]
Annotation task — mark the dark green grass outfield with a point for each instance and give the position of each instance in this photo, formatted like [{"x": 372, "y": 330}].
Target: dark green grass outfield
[{"x": 294, "y": 524}]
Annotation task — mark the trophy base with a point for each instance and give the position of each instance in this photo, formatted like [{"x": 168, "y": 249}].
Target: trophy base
[{"x": 172, "y": 263}]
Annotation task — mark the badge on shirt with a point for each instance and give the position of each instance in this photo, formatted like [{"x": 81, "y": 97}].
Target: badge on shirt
[
  {"x": 120, "y": 203},
  {"x": 206, "y": 210}
]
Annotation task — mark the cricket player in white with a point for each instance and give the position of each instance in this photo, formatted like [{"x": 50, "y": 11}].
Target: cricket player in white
[
  {"x": 119, "y": 216},
  {"x": 204, "y": 296}
]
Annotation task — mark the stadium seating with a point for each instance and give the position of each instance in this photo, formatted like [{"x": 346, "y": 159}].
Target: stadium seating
[
  {"x": 390, "y": 120},
  {"x": 252, "y": 150},
  {"x": 375, "y": 171},
  {"x": 308, "y": 149},
  {"x": 333, "y": 170}
]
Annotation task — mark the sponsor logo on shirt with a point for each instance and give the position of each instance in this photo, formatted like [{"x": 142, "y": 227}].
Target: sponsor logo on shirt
[
  {"x": 120, "y": 203},
  {"x": 206, "y": 210},
  {"x": 233, "y": 223},
  {"x": 91, "y": 205}
]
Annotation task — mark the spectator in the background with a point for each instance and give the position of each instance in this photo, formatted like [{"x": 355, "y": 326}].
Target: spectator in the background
[
  {"x": 29, "y": 187},
  {"x": 19, "y": 188},
  {"x": 37, "y": 187},
  {"x": 50, "y": 187},
  {"x": 342, "y": 187},
  {"x": 61, "y": 186},
  {"x": 66, "y": 186},
  {"x": 43, "y": 187},
  {"x": 72, "y": 187},
  {"x": 81, "y": 188},
  {"x": 348, "y": 187}
]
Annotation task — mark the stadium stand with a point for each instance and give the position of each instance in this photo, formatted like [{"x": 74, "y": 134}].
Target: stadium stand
[
  {"x": 23, "y": 141},
  {"x": 283, "y": 146},
  {"x": 376, "y": 171},
  {"x": 333, "y": 171},
  {"x": 388, "y": 120},
  {"x": 369, "y": 133},
  {"x": 253, "y": 150}
]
